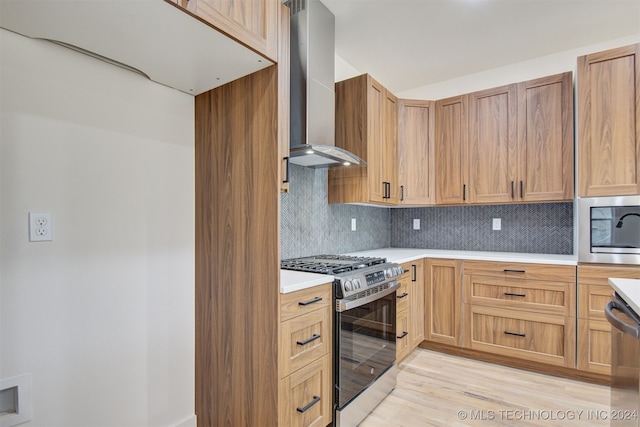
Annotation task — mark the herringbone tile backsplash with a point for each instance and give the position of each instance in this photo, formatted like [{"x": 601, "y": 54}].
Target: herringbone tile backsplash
[{"x": 310, "y": 226}]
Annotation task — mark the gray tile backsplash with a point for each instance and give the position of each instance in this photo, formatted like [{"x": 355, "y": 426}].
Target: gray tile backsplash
[{"x": 310, "y": 226}]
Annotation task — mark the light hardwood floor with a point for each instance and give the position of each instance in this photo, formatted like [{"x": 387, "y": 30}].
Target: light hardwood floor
[{"x": 436, "y": 389}]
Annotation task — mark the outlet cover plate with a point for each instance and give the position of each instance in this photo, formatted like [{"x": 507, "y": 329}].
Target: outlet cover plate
[
  {"x": 497, "y": 224},
  {"x": 40, "y": 227}
]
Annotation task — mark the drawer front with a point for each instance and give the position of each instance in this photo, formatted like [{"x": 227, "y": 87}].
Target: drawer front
[
  {"x": 300, "y": 302},
  {"x": 403, "y": 335},
  {"x": 555, "y": 273},
  {"x": 304, "y": 339},
  {"x": 534, "y": 295},
  {"x": 538, "y": 337},
  {"x": 594, "y": 346},
  {"x": 592, "y": 299},
  {"x": 402, "y": 296},
  {"x": 305, "y": 396}
]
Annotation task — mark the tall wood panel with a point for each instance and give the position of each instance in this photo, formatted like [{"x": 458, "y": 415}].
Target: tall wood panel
[
  {"x": 443, "y": 301},
  {"x": 237, "y": 252},
  {"x": 452, "y": 164},
  {"x": 609, "y": 122}
]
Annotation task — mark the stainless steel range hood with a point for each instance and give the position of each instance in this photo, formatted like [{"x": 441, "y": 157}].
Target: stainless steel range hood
[{"x": 312, "y": 88}]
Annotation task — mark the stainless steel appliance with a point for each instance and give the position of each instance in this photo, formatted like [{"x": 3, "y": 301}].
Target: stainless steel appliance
[
  {"x": 609, "y": 230},
  {"x": 625, "y": 363},
  {"x": 364, "y": 293}
]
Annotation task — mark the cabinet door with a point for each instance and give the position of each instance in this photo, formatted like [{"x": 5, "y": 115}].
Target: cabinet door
[
  {"x": 403, "y": 335},
  {"x": 451, "y": 151},
  {"x": 443, "y": 301},
  {"x": 492, "y": 145},
  {"x": 416, "y": 290},
  {"x": 416, "y": 138},
  {"x": 594, "y": 346},
  {"x": 375, "y": 160},
  {"x": 253, "y": 23},
  {"x": 545, "y": 139},
  {"x": 389, "y": 121},
  {"x": 609, "y": 122},
  {"x": 284, "y": 106}
]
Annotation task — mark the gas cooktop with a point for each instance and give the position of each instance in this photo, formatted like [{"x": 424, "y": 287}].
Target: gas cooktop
[{"x": 330, "y": 264}]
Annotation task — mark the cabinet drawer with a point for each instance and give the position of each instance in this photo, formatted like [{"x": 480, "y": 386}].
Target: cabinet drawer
[
  {"x": 555, "y": 273},
  {"x": 533, "y": 295},
  {"x": 304, "y": 339},
  {"x": 402, "y": 296},
  {"x": 305, "y": 396},
  {"x": 403, "y": 335},
  {"x": 538, "y": 337},
  {"x": 592, "y": 299},
  {"x": 300, "y": 302},
  {"x": 594, "y": 346}
]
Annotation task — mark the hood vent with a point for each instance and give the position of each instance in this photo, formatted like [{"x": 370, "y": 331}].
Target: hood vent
[{"x": 312, "y": 88}]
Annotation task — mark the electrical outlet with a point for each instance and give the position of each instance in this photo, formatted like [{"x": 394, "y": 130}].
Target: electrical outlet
[
  {"x": 497, "y": 224},
  {"x": 40, "y": 227},
  {"x": 353, "y": 224},
  {"x": 416, "y": 224}
]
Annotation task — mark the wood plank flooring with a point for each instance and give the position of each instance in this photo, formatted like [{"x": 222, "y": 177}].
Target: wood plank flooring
[{"x": 436, "y": 389}]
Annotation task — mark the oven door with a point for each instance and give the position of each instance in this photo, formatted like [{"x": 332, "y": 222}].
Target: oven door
[{"x": 365, "y": 344}]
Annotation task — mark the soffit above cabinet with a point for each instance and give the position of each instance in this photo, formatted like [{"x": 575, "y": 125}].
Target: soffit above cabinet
[{"x": 154, "y": 37}]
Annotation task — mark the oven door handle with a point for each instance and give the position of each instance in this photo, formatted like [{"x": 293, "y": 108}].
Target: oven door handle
[
  {"x": 344, "y": 305},
  {"x": 619, "y": 324}
]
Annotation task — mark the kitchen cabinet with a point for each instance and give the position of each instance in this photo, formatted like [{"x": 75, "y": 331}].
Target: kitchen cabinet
[
  {"x": 417, "y": 289},
  {"x": 366, "y": 125},
  {"x": 306, "y": 380},
  {"x": 416, "y": 153},
  {"x": 526, "y": 311},
  {"x": 451, "y": 150},
  {"x": 443, "y": 301},
  {"x": 512, "y": 143},
  {"x": 284, "y": 89},
  {"x": 594, "y": 331},
  {"x": 253, "y": 23},
  {"x": 609, "y": 122},
  {"x": 410, "y": 309}
]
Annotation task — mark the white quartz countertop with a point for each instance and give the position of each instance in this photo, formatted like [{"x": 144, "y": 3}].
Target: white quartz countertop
[
  {"x": 629, "y": 290},
  {"x": 291, "y": 281}
]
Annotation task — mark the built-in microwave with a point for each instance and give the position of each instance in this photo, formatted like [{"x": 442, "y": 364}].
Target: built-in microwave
[{"x": 609, "y": 230}]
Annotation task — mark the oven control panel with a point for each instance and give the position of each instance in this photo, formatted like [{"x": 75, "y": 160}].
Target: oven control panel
[{"x": 353, "y": 282}]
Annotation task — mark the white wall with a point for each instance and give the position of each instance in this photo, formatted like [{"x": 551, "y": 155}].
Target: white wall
[{"x": 102, "y": 317}]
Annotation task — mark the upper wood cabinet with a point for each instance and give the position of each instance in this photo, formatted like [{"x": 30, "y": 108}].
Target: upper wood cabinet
[
  {"x": 284, "y": 102},
  {"x": 416, "y": 140},
  {"x": 253, "y": 23},
  {"x": 492, "y": 145},
  {"x": 545, "y": 139},
  {"x": 609, "y": 122},
  {"x": 366, "y": 125},
  {"x": 451, "y": 150},
  {"x": 512, "y": 143}
]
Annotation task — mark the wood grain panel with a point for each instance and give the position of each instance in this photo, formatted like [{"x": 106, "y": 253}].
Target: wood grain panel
[
  {"x": 443, "y": 301},
  {"x": 304, "y": 301},
  {"x": 416, "y": 152},
  {"x": 284, "y": 91},
  {"x": 389, "y": 143},
  {"x": 519, "y": 270},
  {"x": 594, "y": 290},
  {"x": 594, "y": 346},
  {"x": 545, "y": 138},
  {"x": 417, "y": 292},
  {"x": 237, "y": 252},
  {"x": 609, "y": 122},
  {"x": 493, "y": 144},
  {"x": 403, "y": 342},
  {"x": 452, "y": 164},
  {"x": 295, "y": 355},
  {"x": 252, "y": 23},
  {"x": 376, "y": 137}
]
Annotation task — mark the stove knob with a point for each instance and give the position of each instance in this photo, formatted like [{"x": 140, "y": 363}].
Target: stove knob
[
  {"x": 400, "y": 271},
  {"x": 357, "y": 284},
  {"x": 348, "y": 286},
  {"x": 388, "y": 273}
]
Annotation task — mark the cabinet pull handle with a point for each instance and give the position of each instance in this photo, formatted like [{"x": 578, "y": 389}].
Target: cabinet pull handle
[
  {"x": 313, "y": 301},
  {"x": 521, "y": 191},
  {"x": 511, "y": 294},
  {"x": 415, "y": 274},
  {"x": 402, "y": 193},
  {"x": 515, "y": 334},
  {"x": 308, "y": 340},
  {"x": 286, "y": 165},
  {"x": 464, "y": 192},
  {"x": 388, "y": 190},
  {"x": 506, "y": 270},
  {"x": 305, "y": 408},
  {"x": 402, "y": 296},
  {"x": 512, "y": 189},
  {"x": 404, "y": 334}
]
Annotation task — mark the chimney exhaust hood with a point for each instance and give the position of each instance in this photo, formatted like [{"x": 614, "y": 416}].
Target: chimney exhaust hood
[{"x": 312, "y": 88}]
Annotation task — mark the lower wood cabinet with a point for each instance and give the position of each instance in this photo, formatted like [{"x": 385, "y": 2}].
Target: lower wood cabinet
[
  {"x": 527, "y": 311},
  {"x": 443, "y": 301},
  {"x": 305, "y": 358},
  {"x": 410, "y": 309},
  {"x": 594, "y": 331}
]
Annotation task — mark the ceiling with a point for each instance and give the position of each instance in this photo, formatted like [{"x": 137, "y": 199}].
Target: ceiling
[{"x": 406, "y": 44}]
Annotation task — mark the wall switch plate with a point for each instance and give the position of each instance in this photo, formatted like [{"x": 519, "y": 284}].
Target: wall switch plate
[
  {"x": 353, "y": 224},
  {"x": 497, "y": 224},
  {"x": 40, "y": 227},
  {"x": 416, "y": 224}
]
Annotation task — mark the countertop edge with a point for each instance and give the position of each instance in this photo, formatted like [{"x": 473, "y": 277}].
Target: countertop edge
[{"x": 629, "y": 291}]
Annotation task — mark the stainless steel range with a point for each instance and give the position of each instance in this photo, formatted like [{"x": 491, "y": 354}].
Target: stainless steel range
[{"x": 364, "y": 296}]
